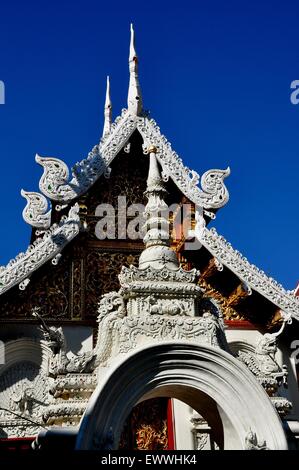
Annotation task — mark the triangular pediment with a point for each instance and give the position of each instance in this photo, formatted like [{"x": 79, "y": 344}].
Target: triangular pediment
[
  {"x": 64, "y": 191},
  {"x": 56, "y": 184}
]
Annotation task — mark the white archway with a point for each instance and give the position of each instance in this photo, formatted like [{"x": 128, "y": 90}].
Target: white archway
[{"x": 189, "y": 372}]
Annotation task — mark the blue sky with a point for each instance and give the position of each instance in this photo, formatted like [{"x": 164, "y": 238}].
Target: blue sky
[{"x": 215, "y": 75}]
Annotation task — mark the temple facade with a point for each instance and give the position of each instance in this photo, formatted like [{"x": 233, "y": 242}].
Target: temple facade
[{"x": 129, "y": 323}]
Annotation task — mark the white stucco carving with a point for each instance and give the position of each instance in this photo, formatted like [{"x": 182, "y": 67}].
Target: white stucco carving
[
  {"x": 42, "y": 250},
  {"x": 252, "y": 443},
  {"x": 213, "y": 193},
  {"x": 107, "y": 111},
  {"x": 24, "y": 387},
  {"x": 134, "y": 91},
  {"x": 157, "y": 301},
  {"x": 36, "y": 211},
  {"x": 55, "y": 183},
  {"x": 174, "y": 368},
  {"x": 261, "y": 361},
  {"x": 255, "y": 277}
]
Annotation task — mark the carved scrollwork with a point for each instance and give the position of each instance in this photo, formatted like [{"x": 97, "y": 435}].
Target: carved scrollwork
[
  {"x": 213, "y": 193},
  {"x": 254, "y": 277},
  {"x": 228, "y": 312},
  {"x": 202, "y": 434},
  {"x": 212, "y": 184},
  {"x": 64, "y": 411},
  {"x": 56, "y": 174},
  {"x": 152, "y": 274},
  {"x": 23, "y": 389},
  {"x": 54, "y": 181},
  {"x": 56, "y": 259},
  {"x": 156, "y": 328},
  {"x": 36, "y": 211},
  {"x": 127, "y": 147},
  {"x": 73, "y": 385},
  {"x": 42, "y": 250},
  {"x": 111, "y": 302},
  {"x": 24, "y": 284},
  {"x": 282, "y": 405}
]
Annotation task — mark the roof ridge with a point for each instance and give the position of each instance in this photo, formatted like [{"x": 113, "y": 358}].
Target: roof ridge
[
  {"x": 47, "y": 247},
  {"x": 55, "y": 183},
  {"x": 224, "y": 252}
]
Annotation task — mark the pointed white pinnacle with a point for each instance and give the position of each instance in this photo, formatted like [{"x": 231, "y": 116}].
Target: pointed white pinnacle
[
  {"x": 134, "y": 93},
  {"x": 133, "y": 54},
  {"x": 107, "y": 111}
]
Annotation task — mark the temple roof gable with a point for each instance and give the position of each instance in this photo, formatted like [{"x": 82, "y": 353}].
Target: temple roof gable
[{"x": 60, "y": 190}]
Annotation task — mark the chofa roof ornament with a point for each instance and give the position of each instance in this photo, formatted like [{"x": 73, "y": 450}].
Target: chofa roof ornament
[
  {"x": 134, "y": 92},
  {"x": 107, "y": 111}
]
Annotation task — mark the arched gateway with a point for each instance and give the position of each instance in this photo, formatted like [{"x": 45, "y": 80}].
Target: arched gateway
[
  {"x": 160, "y": 336},
  {"x": 208, "y": 379}
]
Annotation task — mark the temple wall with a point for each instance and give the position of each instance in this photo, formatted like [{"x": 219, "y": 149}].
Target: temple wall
[{"x": 182, "y": 415}]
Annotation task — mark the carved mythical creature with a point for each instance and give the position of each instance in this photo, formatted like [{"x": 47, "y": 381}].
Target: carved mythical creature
[
  {"x": 111, "y": 302},
  {"x": 262, "y": 361},
  {"x": 251, "y": 442},
  {"x": 111, "y": 307},
  {"x": 55, "y": 340},
  {"x": 265, "y": 354},
  {"x": 164, "y": 307},
  {"x": 22, "y": 401}
]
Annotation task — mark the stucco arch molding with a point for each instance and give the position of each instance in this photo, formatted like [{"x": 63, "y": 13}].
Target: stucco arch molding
[{"x": 184, "y": 371}]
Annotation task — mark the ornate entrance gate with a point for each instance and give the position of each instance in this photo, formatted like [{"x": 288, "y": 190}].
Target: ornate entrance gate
[{"x": 208, "y": 379}]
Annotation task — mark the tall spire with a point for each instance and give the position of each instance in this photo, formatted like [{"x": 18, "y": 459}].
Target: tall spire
[
  {"x": 107, "y": 110},
  {"x": 157, "y": 251},
  {"x": 134, "y": 92}
]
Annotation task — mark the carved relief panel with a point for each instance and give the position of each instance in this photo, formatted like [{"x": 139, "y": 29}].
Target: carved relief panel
[{"x": 146, "y": 426}]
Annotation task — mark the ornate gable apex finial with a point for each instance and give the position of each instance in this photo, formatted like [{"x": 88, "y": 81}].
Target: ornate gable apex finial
[
  {"x": 107, "y": 111},
  {"x": 134, "y": 92},
  {"x": 157, "y": 238}
]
